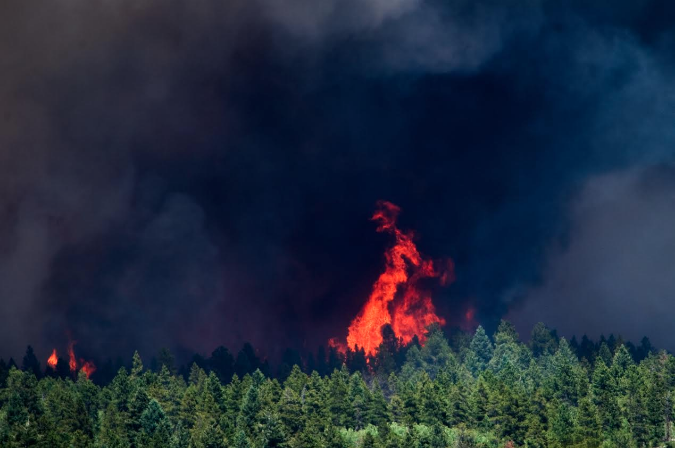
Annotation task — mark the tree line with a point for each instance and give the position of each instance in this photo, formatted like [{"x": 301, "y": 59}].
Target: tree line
[{"x": 463, "y": 391}]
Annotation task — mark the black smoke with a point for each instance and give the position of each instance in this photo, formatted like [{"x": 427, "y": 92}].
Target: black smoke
[{"x": 189, "y": 174}]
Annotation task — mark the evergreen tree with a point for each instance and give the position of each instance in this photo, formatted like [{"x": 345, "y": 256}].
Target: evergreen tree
[
  {"x": 480, "y": 352},
  {"x": 247, "y": 361},
  {"x": 30, "y": 363},
  {"x": 385, "y": 361},
  {"x": 359, "y": 397},
  {"x": 290, "y": 411},
  {"x": 272, "y": 431},
  {"x": 436, "y": 354},
  {"x": 515, "y": 397},
  {"x": 567, "y": 376},
  {"x": 222, "y": 364},
  {"x": 156, "y": 429},
  {"x": 165, "y": 358},
  {"x": 543, "y": 340},
  {"x": 588, "y": 430},
  {"x": 561, "y": 424},
  {"x": 605, "y": 354},
  {"x": 507, "y": 349},
  {"x": 136, "y": 365},
  {"x": 339, "y": 405}
]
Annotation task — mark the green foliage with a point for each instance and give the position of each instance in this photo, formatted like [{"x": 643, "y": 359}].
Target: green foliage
[
  {"x": 543, "y": 341},
  {"x": 506, "y": 395},
  {"x": 480, "y": 352}
]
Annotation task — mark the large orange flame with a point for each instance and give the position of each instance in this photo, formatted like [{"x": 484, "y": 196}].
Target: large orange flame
[
  {"x": 397, "y": 298},
  {"x": 53, "y": 360}
]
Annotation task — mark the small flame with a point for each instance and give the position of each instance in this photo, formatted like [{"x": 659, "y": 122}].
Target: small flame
[
  {"x": 72, "y": 362},
  {"x": 53, "y": 360},
  {"x": 469, "y": 315},
  {"x": 337, "y": 344},
  {"x": 469, "y": 323},
  {"x": 87, "y": 368}
]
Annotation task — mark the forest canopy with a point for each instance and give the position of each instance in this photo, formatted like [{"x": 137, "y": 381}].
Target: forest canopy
[{"x": 463, "y": 391}]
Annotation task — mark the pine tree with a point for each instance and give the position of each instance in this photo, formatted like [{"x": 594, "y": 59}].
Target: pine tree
[
  {"x": 165, "y": 358},
  {"x": 113, "y": 431},
  {"x": 296, "y": 380},
  {"x": 507, "y": 349},
  {"x": 155, "y": 426},
  {"x": 436, "y": 354},
  {"x": 566, "y": 377},
  {"x": 359, "y": 397},
  {"x": 136, "y": 365},
  {"x": 221, "y": 363},
  {"x": 272, "y": 431},
  {"x": 339, "y": 405},
  {"x": 240, "y": 439},
  {"x": 543, "y": 341},
  {"x": 605, "y": 354},
  {"x": 290, "y": 411},
  {"x": 561, "y": 424},
  {"x": 378, "y": 412},
  {"x": 480, "y": 352},
  {"x": 250, "y": 406},
  {"x": 621, "y": 362},
  {"x": 588, "y": 430},
  {"x": 30, "y": 363}
]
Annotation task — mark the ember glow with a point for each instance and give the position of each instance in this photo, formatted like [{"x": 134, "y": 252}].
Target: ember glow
[
  {"x": 397, "y": 297},
  {"x": 53, "y": 360}
]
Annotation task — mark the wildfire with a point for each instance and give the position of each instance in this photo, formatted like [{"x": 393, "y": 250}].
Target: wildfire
[
  {"x": 53, "y": 359},
  {"x": 397, "y": 297},
  {"x": 86, "y": 366}
]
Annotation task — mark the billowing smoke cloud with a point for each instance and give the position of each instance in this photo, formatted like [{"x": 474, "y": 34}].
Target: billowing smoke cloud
[
  {"x": 411, "y": 35},
  {"x": 190, "y": 174},
  {"x": 616, "y": 272}
]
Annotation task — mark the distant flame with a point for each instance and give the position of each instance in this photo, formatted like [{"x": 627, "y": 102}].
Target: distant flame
[
  {"x": 72, "y": 362},
  {"x": 337, "y": 344},
  {"x": 88, "y": 367},
  {"x": 53, "y": 360},
  {"x": 412, "y": 311},
  {"x": 469, "y": 314},
  {"x": 469, "y": 323}
]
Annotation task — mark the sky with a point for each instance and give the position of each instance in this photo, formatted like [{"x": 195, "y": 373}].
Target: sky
[{"x": 189, "y": 174}]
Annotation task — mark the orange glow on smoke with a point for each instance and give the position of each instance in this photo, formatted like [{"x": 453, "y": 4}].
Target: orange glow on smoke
[
  {"x": 397, "y": 298},
  {"x": 53, "y": 360}
]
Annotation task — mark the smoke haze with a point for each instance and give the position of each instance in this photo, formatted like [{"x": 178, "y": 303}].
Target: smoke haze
[{"x": 189, "y": 174}]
